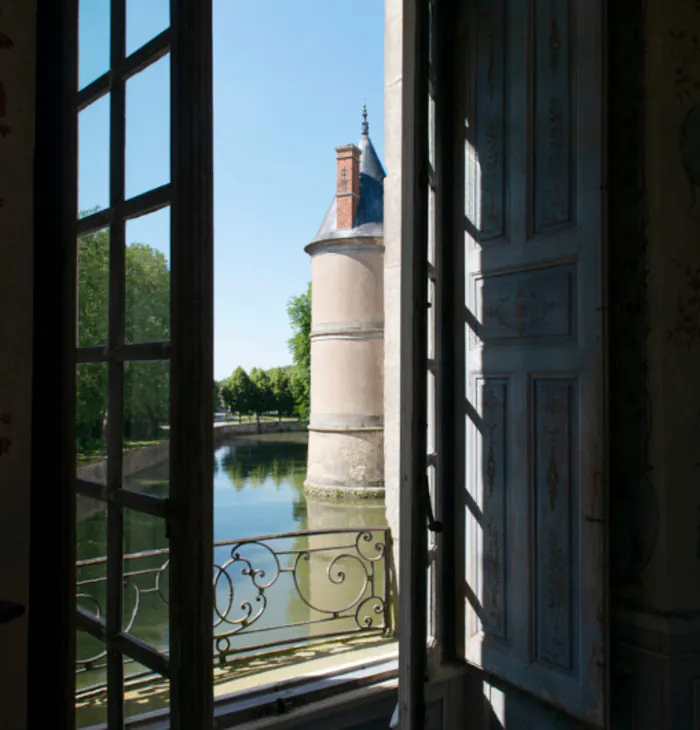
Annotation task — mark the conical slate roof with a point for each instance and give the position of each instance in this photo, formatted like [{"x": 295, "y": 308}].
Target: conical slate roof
[{"x": 369, "y": 218}]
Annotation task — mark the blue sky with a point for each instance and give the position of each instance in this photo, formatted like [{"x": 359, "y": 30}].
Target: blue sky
[{"x": 290, "y": 78}]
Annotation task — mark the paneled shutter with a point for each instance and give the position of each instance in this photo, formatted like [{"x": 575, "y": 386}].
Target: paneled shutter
[{"x": 532, "y": 346}]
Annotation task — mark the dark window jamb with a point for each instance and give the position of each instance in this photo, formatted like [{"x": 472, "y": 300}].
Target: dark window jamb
[{"x": 51, "y": 648}]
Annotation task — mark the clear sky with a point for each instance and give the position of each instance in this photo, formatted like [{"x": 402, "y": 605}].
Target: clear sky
[{"x": 290, "y": 78}]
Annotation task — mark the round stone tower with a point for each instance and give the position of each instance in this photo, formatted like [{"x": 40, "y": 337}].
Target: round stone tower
[{"x": 346, "y": 427}]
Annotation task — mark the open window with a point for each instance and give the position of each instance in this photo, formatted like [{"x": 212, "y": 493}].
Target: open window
[
  {"x": 146, "y": 361},
  {"x": 502, "y": 520}
]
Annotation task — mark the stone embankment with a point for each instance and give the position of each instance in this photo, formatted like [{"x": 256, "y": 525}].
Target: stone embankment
[{"x": 136, "y": 460}]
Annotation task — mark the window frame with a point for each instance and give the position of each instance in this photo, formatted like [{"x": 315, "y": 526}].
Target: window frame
[
  {"x": 413, "y": 481},
  {"x": 51, "y": 655},
  {"x": 56, "y": 233},
  {"x": 441, "y": 411},
  {"x": 188, "y": 512}
]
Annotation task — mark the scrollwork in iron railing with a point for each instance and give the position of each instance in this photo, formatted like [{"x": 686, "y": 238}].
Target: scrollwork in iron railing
[
  {"x": 337, "y": 576},
  {"x": 298, "y": 586},
  {"x": 321, "y": 564}
]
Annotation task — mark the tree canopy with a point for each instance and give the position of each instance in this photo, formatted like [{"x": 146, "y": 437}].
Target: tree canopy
[
  {"x": 258, "y": 392},
  {"x": 147, "y": 319},
  {"x": 237, "y": 392},
  {"x": 299, "y": 311},
  {"x": 281, "y": 390}
]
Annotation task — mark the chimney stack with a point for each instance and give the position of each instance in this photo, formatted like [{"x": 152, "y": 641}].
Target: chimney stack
[{"x": 348, "y": 184}]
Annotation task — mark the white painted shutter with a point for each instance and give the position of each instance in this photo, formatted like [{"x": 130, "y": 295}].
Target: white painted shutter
[{"x": 533, "y": 347}]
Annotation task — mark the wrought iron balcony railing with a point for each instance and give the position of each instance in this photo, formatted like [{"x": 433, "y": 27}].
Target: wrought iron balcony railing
[{"x": 270, "y": 591}]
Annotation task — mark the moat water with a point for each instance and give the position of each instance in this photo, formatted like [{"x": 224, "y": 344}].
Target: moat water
[{"x": 258, "y": 491}]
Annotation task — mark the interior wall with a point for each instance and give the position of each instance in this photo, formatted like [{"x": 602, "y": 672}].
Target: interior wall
[
  {"x": 17, "y": 65},
  {"x": 655, "y": 358}
]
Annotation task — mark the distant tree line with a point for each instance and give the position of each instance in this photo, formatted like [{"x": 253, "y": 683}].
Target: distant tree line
[{"x": 259, "y": 392}]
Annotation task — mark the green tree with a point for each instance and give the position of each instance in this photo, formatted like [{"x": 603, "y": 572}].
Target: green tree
[
  {"x": 93, "y": 289},
  {"x": 262, "y": 400},
  {"x": 218, "y": 401},
  {"x": 91, "y": 405},
  {"x": 147, "y": 295},
  {"x": 146, "y": 399},
  {"x": 237, "y": 392},
  {"x": 299, "y": 388},
  {"x": 91, "y": 378},
  {"x": 280, "y": 388},
  {"x": 299, "y": 312},
  {"x": 147, "y": 319},
  {"x": 147, "y": 315}
]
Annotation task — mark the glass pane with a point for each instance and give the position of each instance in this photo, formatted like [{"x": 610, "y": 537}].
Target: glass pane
[
  {"x": 93, "y": 40},
  {"x": 148, "y": 128},
  {"x": 91, "y": 421},
  {"x": 144, "y": 691},
  {"x": 91, "y": 581},
  {"x": 430, "y": 319},
  {"x": 146, "y": 579},
  {"x": 430, "y": 397},
  {"x": 148, "y": 278},
  {"x": 146, "y": 427},
  {"x": 93, "y": 289},
  {"x": 431, "y": 227},
  {"x": 93, "y": 157},
  {"x": 144, "y": 21},
  {"x": 91, "y": 702}
]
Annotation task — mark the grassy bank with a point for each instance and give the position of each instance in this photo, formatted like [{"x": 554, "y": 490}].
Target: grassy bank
[{"x": 96, "y": 451}]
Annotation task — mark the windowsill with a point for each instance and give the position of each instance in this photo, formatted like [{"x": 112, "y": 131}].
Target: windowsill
[
  {"x": 328, "y": 679},
  {"x": 273, "y": 684}
]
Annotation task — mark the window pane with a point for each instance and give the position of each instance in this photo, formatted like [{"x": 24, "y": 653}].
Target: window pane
[
  {"x": 146, "y": 579},
  {"x": 148, "y": 128},
  {"x": 91, "y": 702},
  {"x": 144, "y": 21},
  {"x": 430, "y": 319},
  {"x": 93, "y": 157},
  {"x": 91, "y": 572},
  {"x": 148, "y": 278},
  {"x": 93, "y": 43},
  {"x": 93, "y": 289},
  {"x": 146, "y": 427},
  {"x": 91, "y": 421}
]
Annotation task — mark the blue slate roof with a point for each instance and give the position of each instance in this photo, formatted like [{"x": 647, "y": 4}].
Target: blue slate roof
[{"x": 369, "y": 218}]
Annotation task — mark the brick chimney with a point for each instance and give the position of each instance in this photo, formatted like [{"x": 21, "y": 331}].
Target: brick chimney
[{"x": 348, "y": 185}]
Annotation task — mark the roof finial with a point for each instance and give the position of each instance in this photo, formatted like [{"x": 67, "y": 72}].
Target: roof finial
[{"x": 365, "y": 123}]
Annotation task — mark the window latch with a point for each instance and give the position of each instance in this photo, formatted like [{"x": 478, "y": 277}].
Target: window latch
[{"x": 433, "y": 524}]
